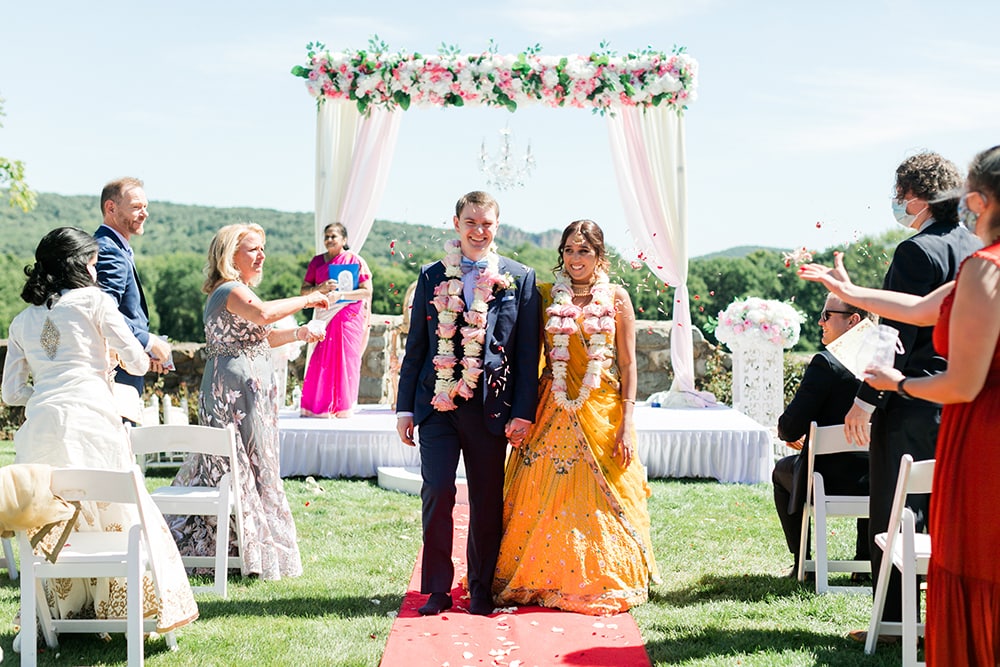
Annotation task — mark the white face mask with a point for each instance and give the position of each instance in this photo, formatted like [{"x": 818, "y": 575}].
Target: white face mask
[
  {"x": 899, "y": 212},
  {"x": 966, "y": 216}
]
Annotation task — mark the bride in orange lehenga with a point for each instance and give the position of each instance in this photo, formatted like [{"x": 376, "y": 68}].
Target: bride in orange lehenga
[{"x": 576, "y": 527}]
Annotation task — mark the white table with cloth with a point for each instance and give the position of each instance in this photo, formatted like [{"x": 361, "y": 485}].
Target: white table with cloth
[
  {"x": 353, "y": 447},
  {"x": 717, "y": 442}
]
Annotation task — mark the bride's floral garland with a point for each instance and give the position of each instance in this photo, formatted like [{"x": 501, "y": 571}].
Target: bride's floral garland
[
  {"x": 448, "y": 299},
  {"x": 598, "y": 323}
]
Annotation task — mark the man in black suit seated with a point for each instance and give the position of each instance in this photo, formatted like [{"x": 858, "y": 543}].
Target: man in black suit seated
[{"x": 825, "y": 395}]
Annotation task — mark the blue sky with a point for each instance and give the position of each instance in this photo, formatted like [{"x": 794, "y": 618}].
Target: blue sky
[{"x": 803, "y": 112}]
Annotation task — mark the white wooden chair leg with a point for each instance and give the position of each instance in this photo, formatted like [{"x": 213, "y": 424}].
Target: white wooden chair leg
[
  {"x": 819, "y": 554},
  {"x": 222, "y": 542},
  {"x": 879, "y": 605},
  {"x": 804, "y": 540},
  {"x": 29, "y": 620},
  {"x": 8, "y": 555},
  {"x": 136, "y": 654},
  {"x": 909, "y": 582}
]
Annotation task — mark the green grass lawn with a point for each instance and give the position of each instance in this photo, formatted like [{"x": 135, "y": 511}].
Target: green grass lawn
[{"x": 722, "y": 600}]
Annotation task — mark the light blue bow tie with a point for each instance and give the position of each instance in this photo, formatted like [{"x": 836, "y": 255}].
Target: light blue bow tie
[{"x": 468, "y": 264}]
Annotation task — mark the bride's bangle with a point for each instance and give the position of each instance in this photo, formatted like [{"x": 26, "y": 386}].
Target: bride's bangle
[{"x": 301, "y": 328}]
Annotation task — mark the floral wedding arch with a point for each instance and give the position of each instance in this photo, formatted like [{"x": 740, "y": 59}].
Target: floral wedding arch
[{"x": 360, "y": 94}]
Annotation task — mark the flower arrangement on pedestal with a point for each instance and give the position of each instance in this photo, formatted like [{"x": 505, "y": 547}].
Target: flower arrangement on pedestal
[{"x": 756, "y": 319}]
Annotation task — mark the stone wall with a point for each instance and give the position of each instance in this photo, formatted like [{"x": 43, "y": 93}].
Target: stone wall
[{"x": 380, "y": 367}]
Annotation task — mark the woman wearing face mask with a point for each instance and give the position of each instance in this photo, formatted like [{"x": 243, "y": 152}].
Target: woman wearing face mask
[
  {"x": 963, "y": 592},
  {"x": 920, "y": 264}
]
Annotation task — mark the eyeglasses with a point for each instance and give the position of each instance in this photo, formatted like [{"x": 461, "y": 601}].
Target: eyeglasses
[{"x": 827, "y": 313}]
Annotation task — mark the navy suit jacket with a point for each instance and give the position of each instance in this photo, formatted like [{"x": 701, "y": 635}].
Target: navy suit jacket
[
  {"x": 116, "y": 275},
  {"x": 921, "y": 264},
  {"x": 510, "y": 355}
]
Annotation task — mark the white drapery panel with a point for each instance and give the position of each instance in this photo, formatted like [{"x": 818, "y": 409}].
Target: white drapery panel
[
  {"x": 647, "y": 147},
  {"x": 353, "y": 156}
]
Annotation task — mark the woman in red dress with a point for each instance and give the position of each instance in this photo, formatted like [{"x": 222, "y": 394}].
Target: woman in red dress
[{"x": 963, "y": 589}]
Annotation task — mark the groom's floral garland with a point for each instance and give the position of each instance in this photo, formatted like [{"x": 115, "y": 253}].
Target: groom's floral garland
[
  {"x": 451, "y": 306},
  {"x": 598, "y": 323}
]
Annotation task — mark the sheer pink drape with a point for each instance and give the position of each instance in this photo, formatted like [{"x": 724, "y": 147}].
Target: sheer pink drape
[
  {"x": 353, "y": 156},
  {"x": 647, "y": 147}
]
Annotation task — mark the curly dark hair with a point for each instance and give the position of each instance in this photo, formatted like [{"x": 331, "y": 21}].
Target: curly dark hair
[
  {"x": 932, "y": 178},
  {"x": 592, "y": 234},
  {"x": 61, "y": 260}
]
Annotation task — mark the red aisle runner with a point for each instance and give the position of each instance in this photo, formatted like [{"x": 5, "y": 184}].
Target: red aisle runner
[{"x": 513, "y": 637}]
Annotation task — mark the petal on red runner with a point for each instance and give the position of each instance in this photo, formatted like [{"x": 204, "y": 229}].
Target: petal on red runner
[{"x": 512, "y": 637}]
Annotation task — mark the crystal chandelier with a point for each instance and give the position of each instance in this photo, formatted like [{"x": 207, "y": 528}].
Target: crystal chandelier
[{"x": 505, "y": 170}]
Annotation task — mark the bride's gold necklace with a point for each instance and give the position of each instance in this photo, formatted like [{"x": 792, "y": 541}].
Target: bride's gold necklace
[{"x": 581, "y": 290}]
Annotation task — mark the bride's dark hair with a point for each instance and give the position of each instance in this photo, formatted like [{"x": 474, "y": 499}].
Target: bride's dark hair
[{"x": 61, "y": 260}]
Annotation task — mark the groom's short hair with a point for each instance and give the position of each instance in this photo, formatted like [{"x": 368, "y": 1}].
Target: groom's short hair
[{"x": 476, "y": 198}]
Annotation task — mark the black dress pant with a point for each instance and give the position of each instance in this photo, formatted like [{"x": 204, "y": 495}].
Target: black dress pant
[
  {"x": 443, "y": 436},
  {"x": 843, "y": 474}
]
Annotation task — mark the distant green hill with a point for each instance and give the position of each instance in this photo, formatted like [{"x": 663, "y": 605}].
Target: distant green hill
[
  {"x": 185, "y": 228},
  {"x": 739, "y": 251}
]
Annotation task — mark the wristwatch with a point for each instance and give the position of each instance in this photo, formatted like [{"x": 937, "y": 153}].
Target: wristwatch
[{"x": 901, "y": 390}]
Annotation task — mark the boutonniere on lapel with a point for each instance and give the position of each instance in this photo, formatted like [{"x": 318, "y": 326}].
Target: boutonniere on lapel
[{"x": 499, "y": 282}]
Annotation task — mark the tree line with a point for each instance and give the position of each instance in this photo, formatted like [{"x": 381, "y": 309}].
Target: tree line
[{"x": 171, "y": 262}]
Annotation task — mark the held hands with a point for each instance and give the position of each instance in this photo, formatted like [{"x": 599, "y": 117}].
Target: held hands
[{"x": 517, "y": 430}]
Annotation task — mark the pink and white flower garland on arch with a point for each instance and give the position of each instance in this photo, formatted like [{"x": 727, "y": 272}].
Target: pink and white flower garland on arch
[
  {"x": 598, "y": 324},
  {"x": 448, "y": 299}
]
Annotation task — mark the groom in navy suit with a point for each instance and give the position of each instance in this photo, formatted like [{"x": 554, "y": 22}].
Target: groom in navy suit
[
  {"x": 124, "y": 208},
  {"x": 478, "y": 421}
]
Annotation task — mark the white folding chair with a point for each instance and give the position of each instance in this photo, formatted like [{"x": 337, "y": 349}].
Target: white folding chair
[
  {"x": 908, "y": 551},
  {"x": 175, "y": 415},
  {"x": 8, "y": 561},
  {"x": 151, "y": 412},
  {"x": 219, "y": 501},
  {"x": 85, "y": 555},
  {"x": 819, "y": 506}
]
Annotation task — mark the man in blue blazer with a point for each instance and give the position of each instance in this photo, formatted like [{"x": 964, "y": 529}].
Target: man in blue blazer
[
  {"x": 124, "y": 208},
  {"x": 469, "y": 379}
]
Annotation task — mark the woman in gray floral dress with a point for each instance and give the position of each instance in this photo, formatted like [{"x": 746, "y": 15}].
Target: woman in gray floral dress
[{"x": 239, "y": 388}]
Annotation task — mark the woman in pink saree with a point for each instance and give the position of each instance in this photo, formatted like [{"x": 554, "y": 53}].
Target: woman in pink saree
[{"x": 330, "y": 386}]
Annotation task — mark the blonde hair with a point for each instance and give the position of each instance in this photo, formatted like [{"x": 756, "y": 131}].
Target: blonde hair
[{"x": 222, "y": 250}]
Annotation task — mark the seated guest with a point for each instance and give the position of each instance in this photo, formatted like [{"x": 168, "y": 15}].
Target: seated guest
[
  {"x": 825, "y": 395},
  {"x": 61, "y": 353}
]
